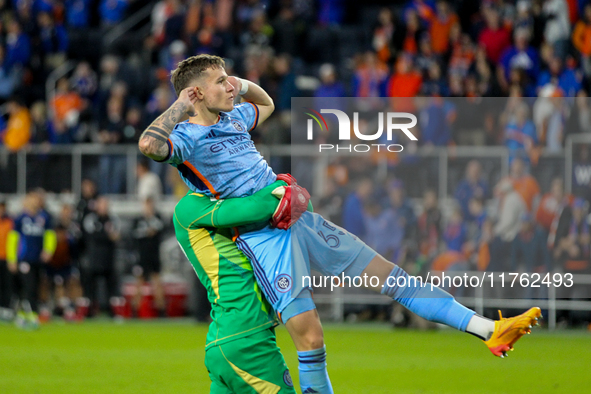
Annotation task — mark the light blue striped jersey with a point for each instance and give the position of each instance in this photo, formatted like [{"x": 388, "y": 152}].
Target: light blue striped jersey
[{"x": 221, "y": 160}]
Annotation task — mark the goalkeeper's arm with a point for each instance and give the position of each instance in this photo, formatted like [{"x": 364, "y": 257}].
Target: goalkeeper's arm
[{"x": 228, "y": 213}]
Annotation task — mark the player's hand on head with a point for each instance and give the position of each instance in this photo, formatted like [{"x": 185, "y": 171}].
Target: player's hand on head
[{"x": 188, "y": 98}]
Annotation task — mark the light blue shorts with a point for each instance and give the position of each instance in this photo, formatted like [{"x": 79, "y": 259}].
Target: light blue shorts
[{"x": 282, "y": 259}]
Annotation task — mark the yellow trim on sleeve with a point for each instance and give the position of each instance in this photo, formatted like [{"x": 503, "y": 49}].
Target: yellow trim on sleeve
[{"x": 208, "y": 256}]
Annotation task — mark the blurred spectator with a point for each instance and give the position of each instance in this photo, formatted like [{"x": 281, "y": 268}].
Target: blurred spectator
[
  {"x": 567, "y": 79},
  {"x": 462, "y": 55},
  {"x": 550, "y": 209},
  {"x": 552, "y": 131},
  {"x": 258, "y": 32},
  {"x": 425, "y": 9},
  {"x": 434, "y": 83},
  {"x": 102, "y": 231},
  {"x": 285, "y": 83},
  {"x": 404, "y": 82},
  {"x": 475, "y": 222},
  {"x": 112, "y": 166},
  {"x": 30, "y": 245},
  {"x": 331, "y": 12},
  {"x": 530, "y": 249},
  {"x": 557, "y": 30},
  {"x": 384, "y": 230},
  {"x": 330, "y": 205},
  {"x": 511, "y": 210},
  {"x": 520, "y": 135},
  {"x": 413, "y": 32},
  {"x": 163, "y": 10},
  {"x": 579, "y": 120},
  {"x": 53, "y": 41},
  {"x": 435, "y": 120},
  {"x": 18, "y": 130},
  {"x": 134, "y": 125},
  {"x": 523, "y": 183},
  {"x": 174, "y": 24},
  {"x": 87, "y": 202},
  {"x": 10, "y": 77},
  {"x": 42, "y": 130},
  {"x": 529, "y": 16},
  {"x": 84, "y": 81},
  {"x": 440, "y": 25},
  {"x": 495, "y": 38},
  {"x": 112, "y": 11},
  {"x": 78, "y": 13},
  {"x": 18, "y": 45},
  {"x": 286, "y": 26},
  {"x": 353, "y": 208},
  {"x": 148, "y": 185},
  {"x": 383, "y": 34},
  {"x": 429, "y": 225},
  {"x": 370, "y": 77},
  {"x": 425, "y": 58},
  {"x": 6, "y": 225},
  {"x": 520, "y": 56},
  {"x": 66, "y": 104},
  {"x": 110, "y": 73},
  {"x": 573, "y": 239},
  {"x": 581, "y": 38},
  {"x": 330, "y": 86},
  {"x": 64, "y": 277},
  {"x": 472, "y": 186},
  {"x": 147, "y": 232},
  {"x": 455, "y": 234},
  {"x": 402, "y": 208}
]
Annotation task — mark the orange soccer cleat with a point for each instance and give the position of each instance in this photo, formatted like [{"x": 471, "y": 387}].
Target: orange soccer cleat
[{"x": 508, "y": 331}]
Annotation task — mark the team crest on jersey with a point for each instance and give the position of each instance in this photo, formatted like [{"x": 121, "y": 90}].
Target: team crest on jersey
[
  {"x": 237, "y": 125},
  {"x": 287, "y": 378},
  {"x": 283, "y": 283}
]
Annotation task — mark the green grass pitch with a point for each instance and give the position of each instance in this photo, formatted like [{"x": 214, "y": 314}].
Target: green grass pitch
[{"x": 167, "y": 357}]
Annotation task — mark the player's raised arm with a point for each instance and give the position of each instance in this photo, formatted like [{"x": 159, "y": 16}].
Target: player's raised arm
[
  {"x": 253, "y": 93},
  {"x": 153, "y": 141}
]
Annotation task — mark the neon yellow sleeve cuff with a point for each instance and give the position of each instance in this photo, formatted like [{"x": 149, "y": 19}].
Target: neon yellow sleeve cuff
[{"x": 49, "y": 242}]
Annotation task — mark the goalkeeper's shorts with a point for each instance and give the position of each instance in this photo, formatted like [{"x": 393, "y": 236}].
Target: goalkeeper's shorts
[
  {"x": 282, "y": 260},
  {"x": 248, "y": 365}
]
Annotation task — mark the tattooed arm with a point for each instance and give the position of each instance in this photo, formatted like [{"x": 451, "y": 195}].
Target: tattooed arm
[{"x": 153, "y": 140}]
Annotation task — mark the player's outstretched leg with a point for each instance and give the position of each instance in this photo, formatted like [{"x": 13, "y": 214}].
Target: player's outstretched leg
[
  {"x": 437, "y": 305},
  {"x": 306, "y": 331}
]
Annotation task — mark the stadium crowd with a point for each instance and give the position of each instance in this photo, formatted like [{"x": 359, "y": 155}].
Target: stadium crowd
[{"x": 466, "y": 49}]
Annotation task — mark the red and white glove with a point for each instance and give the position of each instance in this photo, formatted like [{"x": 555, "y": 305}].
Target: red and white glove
[{"x": 294, "y": 202}]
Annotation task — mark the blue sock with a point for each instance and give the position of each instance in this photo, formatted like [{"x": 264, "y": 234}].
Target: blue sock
[
  {"x": 313, "y": 375},
  {"x": 429, "y": 302}
]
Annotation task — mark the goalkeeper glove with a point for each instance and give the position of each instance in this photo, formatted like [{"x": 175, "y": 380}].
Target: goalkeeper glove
[{"x": 294, "y": 202}]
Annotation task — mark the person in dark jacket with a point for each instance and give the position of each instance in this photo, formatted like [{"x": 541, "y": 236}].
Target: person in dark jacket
[
  {"x": 101, "y": 233},
  {"x": 147, "y": 232}
]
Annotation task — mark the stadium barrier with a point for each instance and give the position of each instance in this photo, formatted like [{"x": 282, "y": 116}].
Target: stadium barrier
[{"x": 447, "y": 164}]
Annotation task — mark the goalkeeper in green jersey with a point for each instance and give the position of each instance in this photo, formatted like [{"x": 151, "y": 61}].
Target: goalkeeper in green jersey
[{"x": 241, "y": 354}]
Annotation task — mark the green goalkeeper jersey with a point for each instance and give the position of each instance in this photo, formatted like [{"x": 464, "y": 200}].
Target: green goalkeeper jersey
[{"x": 239, "y": 308}]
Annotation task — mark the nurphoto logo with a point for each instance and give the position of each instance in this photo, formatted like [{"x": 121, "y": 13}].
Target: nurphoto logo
[{"x": 392, "y": 124}]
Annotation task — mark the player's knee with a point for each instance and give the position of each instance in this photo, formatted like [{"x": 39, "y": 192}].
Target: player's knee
[{"x": 313, "y": 340}]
